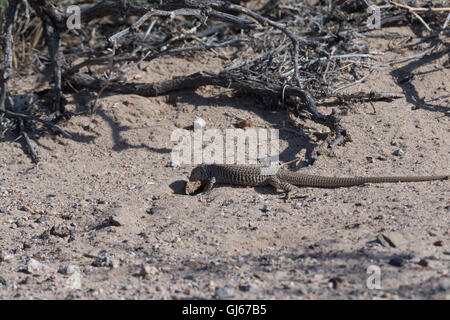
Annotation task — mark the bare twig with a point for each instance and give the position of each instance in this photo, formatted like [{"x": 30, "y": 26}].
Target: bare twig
[{"x": 7, "y": 48}]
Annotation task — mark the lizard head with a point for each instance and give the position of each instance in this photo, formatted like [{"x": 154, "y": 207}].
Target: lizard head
[
  {"x": 199, "y": 173},
  {"x": 197, "y": 180}
]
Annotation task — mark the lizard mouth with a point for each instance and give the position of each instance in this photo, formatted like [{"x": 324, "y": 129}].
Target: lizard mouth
[{"x": 194, "y": 187}]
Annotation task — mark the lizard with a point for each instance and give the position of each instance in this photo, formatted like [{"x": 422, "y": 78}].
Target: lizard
[{"x": 253, "y": 175}]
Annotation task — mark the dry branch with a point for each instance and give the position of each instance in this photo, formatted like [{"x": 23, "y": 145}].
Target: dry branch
[{"x": 293, "y": 53}]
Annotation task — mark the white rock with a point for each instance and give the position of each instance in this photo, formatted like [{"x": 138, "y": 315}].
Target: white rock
[
  {"x": 147, "y": 270},
  {"x": 34, "y": 266},
  {"x": 6, "y": 257},
  {"x": 199, "y": 123},
  {"x": 298, "y": 205},
  {"x": 70, "y": 269},
  {"x": 74, "y": 281}
]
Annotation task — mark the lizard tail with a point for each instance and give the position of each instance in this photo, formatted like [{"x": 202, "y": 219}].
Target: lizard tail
[
  {"x": 305, "y": 180},
  {"x": 403, "y": 179}
]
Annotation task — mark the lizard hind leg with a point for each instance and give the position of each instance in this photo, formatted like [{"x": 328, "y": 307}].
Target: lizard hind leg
[{"x": 288, "y": 188}]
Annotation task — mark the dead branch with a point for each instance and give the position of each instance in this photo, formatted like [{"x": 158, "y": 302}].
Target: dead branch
[
  {"x": 291, "y": 54},
  {"x": 7, "y": 62}
]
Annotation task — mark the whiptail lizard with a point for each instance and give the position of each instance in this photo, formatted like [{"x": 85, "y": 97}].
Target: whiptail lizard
[{"x": 253, "y": 175}]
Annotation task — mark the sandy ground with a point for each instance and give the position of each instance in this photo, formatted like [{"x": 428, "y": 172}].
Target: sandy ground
[{"x": 57, "y": 239}]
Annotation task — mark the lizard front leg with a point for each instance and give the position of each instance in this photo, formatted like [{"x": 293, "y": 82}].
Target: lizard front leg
[
  {"x": 288, "y": 188},
  {"x": 209, "y": 185}
]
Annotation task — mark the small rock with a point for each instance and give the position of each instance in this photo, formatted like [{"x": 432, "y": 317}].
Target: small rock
[
  {"x": 68, "y": 270},
  {"x": 244, "y": 287},
  {"x": 34, "y": 266},
  {"x": 25, "y": 208},
  {"x": 302, "y": 256},
  {"x": 5, "y": 209},
  {"x": 444, "y": 284},
  {"x": 335, "y": 283},
  {"x": 147, "y": 271},
  {"x": 60, "y": 231},
  {"x": 115, "y": 263},
  {"x": 288, "y": 285},
  {"x": 298, "y": 204},
  {"x": 6, "y": 257},
  {"x": 397, "y": 262},
  {"x": 156, "y": 210},
  {"x": 74, "y": 281},
  {"x": 101, "y": 262},
  {"x": 398, "y": 153},
  {"x": 423, "y": 263},
  {"x": 227, "y": 202},
  {"x": 265, "y": 208},
  {"x": 26, "y": 245},
  {"x": 2, "y": 281},
  {"x": 244, "y": 124},
  {"x": 199, "y": 123},
  {"x": 439, "y": 243},
  {"x": 226, "y": 292},
  {"x": 258, "y": 198},
  {"x": 396, "y": 239}
]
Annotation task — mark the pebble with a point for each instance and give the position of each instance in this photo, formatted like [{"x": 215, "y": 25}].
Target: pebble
[
  {"x": 302, "y": 290},
  {"x": 2, "y": 281},
  {"x": 227, "y": 202},
  {"x": 199, "y": 123},
  {"x": 397, "y": 262},
  {"x": 34, "y": 266},
  {"x": 156, "y": 210},
  {"x": 74, "y": 281},
  {"x": 298, "y": 204},
  {"x": 226, "y": 292},
  {"x": 245, "y": 287},
  {"x": 265, "y": 208},
  {"x": 288, "y": 285},
  {"x": 302, "y": 256},
  {"x": 258, "y": 199},
  {"x": 6, "y": 257},
  {"x": 147, "y": 271},
  {"x": 423, "y": 263},
  {"x": 68, "y": 270},
  {"x": 335, "y": 283},
  {"x": 444, "y": 284},
  {"x": 5, "y": 209},
  {"x": 439, "y": 243},
  {"x": 398, "y": 153},
  {"x": 396, "y": 239}
]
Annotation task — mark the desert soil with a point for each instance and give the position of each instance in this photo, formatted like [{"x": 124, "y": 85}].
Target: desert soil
[{"x": 104, "y": 215}]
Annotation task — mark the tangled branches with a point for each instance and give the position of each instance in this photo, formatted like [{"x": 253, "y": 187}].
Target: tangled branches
[{"x": 290, "y": 51}]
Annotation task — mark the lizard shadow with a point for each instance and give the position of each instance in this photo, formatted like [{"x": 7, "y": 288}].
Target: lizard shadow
[{"x": 178, "y": 187}]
